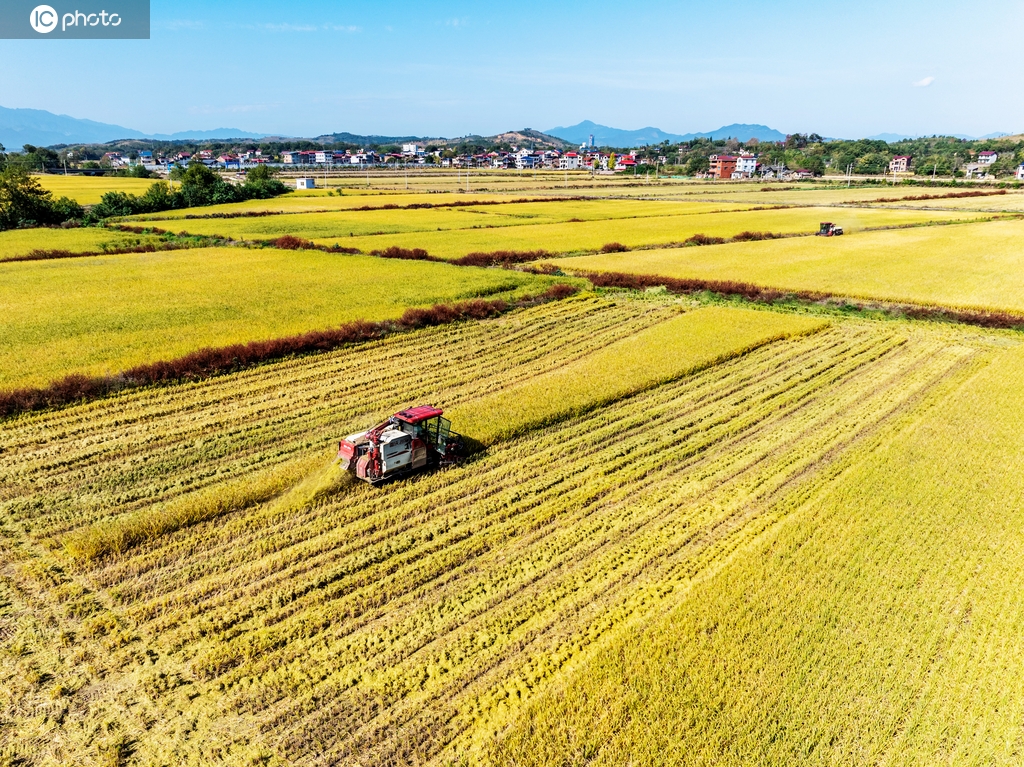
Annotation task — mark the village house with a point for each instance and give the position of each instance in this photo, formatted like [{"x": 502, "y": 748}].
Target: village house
[
  {"x": 775, "y": 171},
  {"x": 746, "y": 166},
  {"x": 899, "y": 164},
  {"x": 569, "y": 161},
  {"x": 987, "y": 157},
  {"x": 1020, "y": 171},
  {"x": 722, "y": 166},
  {"x": 975, "y": 170}
]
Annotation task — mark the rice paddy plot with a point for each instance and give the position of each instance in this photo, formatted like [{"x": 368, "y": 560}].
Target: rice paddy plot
[
  {"x": 592, "y": 235},
  {"x": 16, "y": 243},
  {"x": 314, "y": 201},
  {"x": 417, "y": 621},
  {"x": 103, "y": 314},
  {"x": 879, "y": 622},
  {"x": 87, "y": 190},
  {"x": 373, "y": 222},
  {"x": 972, "y": 266}
]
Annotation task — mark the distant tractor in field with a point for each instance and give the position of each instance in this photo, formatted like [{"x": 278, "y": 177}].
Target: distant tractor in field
[
  {"x": 828, "y": 229},
  {"x": 411, "y": 440}
]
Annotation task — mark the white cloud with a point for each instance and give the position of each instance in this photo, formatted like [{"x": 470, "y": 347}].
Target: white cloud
[{"x": 924, "y": 83}]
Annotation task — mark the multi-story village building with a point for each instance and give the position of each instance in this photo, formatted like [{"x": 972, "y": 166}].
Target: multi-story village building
[
  {"x": 722, "y": 166},
  {"x": 899, "y": 164}
]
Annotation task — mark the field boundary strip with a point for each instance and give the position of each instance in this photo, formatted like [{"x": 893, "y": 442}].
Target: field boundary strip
[{"x": 211, "y": 361}]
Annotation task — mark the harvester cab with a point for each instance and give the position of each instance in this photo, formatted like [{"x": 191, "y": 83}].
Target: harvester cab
[
  {"x": 828, "y": 229},
  {"x": 411, "y": 440}
]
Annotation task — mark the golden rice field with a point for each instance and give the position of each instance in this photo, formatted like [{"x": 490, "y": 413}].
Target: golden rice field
[
  {"x": 686, "y": 534},
  {"x": 1012, "y": 202},
  {"x": 690, "y": 532},
  {"x": 877, "y": 620},
  {"x": 973, "y": 266},
  {"x": 103, "y": 314},
  {"x": 319, "y": 200},
  {"x": 592, "y": 235},
  {"x": 360, "y": 223},
  {"x": 15, "y": 243},
  {"x": 87, "y": 190}
]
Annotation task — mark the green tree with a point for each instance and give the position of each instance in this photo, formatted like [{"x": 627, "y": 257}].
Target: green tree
[
  {"x": 23, "y": 202},
  {"x": 261, "y": 172},
  {"x": 697, "y": 163}
]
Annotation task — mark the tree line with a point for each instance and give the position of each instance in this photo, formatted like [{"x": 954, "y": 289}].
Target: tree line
[
  {"x": 941, "y": 155},
  {"x": 25, "y": 203}
]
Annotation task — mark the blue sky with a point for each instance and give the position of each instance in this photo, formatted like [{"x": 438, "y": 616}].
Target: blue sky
[{"x": 306, "y": 67}]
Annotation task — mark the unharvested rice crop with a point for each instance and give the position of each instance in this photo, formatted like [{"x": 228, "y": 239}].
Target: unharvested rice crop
[
  {"x": 87, "y": 190},
  {"x": 17, "y": 243},
  {"x": 591, "y": 235},
  {"x": 103, "y": 314},
  {"x": 359, "y": 223},
  {"x": 412, "y": 623},
  {"x": 972, "y": 266},
  {"x": 879, "y": 622},
  {"x": 310, "y": 202}
]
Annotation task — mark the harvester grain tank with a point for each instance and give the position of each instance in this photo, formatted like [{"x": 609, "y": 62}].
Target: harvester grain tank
[
  {"x": 828, "y": 229},
  {"x": 411, "y": 440}
]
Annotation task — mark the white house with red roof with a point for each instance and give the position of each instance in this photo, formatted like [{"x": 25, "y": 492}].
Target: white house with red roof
[{"x": 987, "y": 158}]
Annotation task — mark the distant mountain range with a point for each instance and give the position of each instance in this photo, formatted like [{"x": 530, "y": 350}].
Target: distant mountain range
[
  {"x": 891, "y": 138},
  {"x": 605, "y": 136},
  {"x": 41, "y": 128}
]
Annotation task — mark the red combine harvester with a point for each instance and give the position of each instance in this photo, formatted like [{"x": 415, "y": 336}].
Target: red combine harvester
[
  {"x": 414, "y": 439},
  {"x": 828, "y": 229}
]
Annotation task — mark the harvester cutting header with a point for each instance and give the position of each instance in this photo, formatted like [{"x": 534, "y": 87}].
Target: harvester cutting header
[{"x": 411, "y": 440}]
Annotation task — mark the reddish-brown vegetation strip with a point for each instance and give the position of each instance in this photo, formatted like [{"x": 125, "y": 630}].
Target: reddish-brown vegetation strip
[
  {"x": 45, "y": 255},
  {"x": 212, "y": 361}
]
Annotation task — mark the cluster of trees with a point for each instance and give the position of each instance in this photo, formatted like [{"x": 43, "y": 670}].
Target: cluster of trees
[
  {"x": 943, "y": 155},
  {"x": 198, "y": 186},
  {"x": 23, "y": 202}
]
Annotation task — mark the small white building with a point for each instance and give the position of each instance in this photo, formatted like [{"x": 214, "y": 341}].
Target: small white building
[
  {"x": 987, "y": 158},
  {"x": 569, "y": 161},
  {"x": 412, "y": 149},
  {"x": 746, "y": 166},
  {"x": 1020, "y": 171},
  {"x": 305, "y": 183}
]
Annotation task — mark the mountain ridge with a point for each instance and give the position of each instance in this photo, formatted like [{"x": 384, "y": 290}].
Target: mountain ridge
[
  {"x": 608, "y": 136},
  {"x": 41, "y": 128}
]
